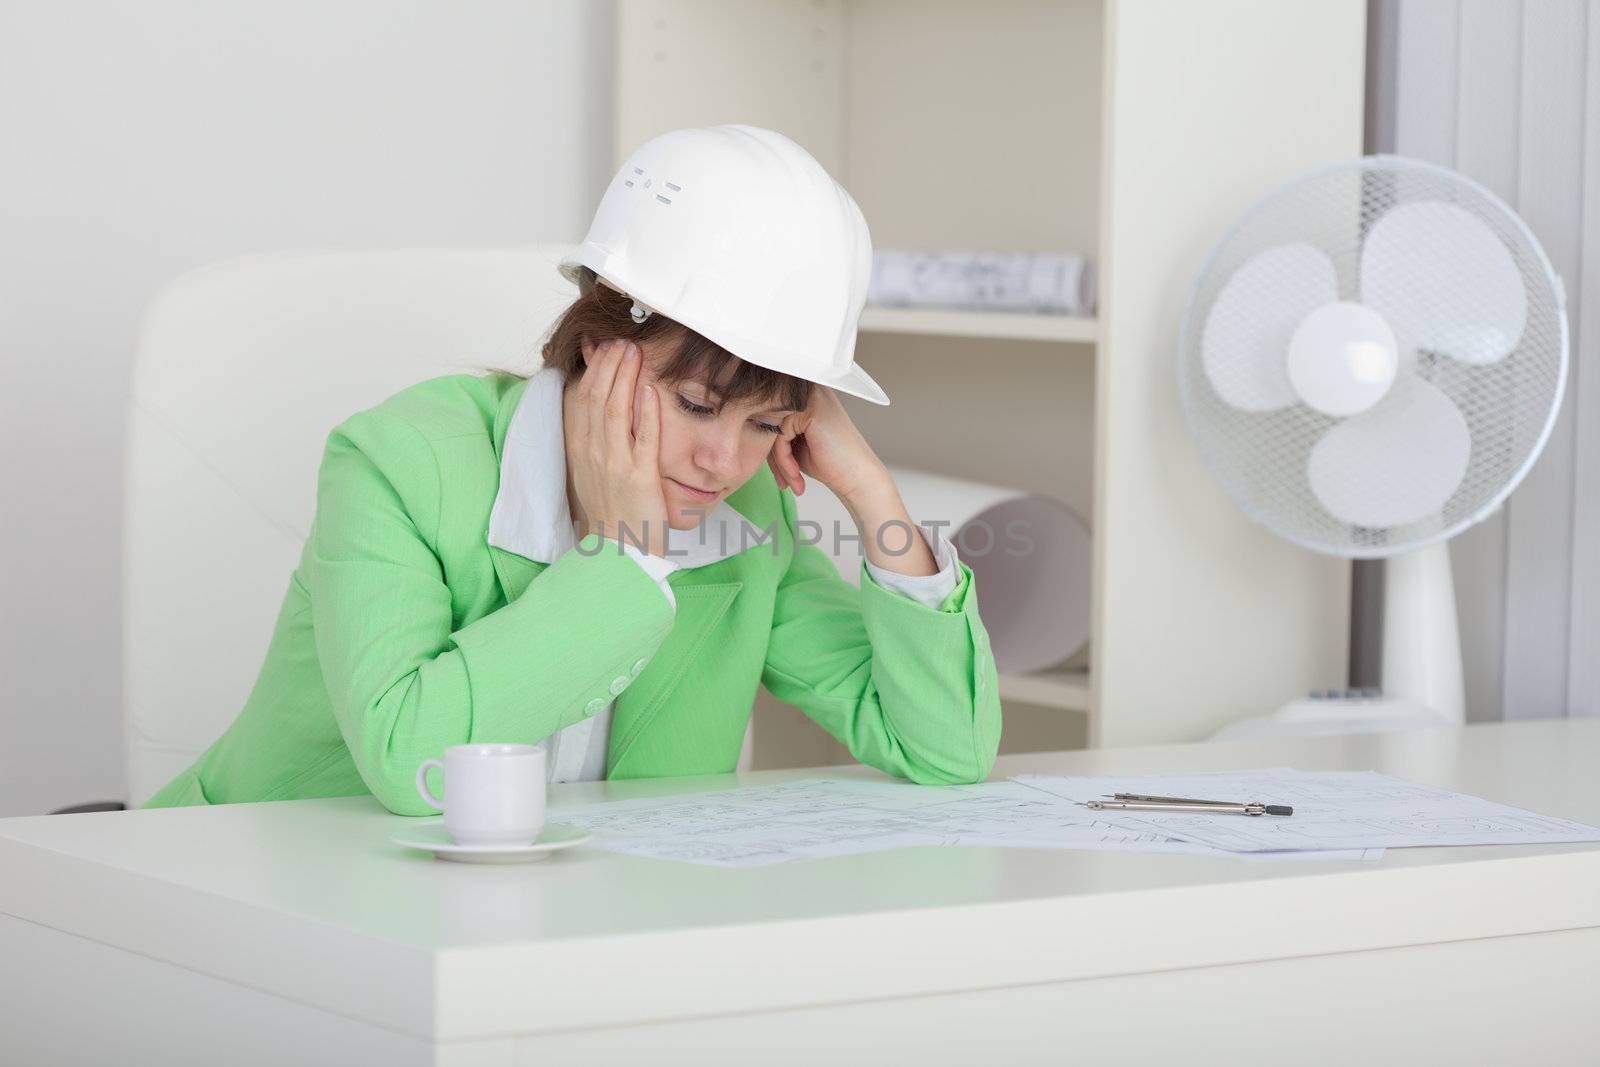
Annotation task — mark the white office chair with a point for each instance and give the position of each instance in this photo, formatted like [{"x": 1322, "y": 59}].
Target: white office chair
[{"x": 242, "y": 370}]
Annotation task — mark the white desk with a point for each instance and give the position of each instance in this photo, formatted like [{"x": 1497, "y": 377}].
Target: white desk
[{"x": 293, "y": 932}]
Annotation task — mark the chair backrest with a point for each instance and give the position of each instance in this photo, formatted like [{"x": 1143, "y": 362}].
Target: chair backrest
[{"x": 243, "y": 368}]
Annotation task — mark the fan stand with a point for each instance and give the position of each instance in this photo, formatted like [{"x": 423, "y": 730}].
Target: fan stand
[
  {"x": 1421, "y": 663},
  {"x": 1421, "y": 635}
]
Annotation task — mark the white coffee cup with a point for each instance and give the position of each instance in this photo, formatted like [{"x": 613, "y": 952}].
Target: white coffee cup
[{"x": 494, "y": 794}]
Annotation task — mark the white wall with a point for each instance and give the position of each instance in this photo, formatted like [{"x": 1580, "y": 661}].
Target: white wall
[
  {"x": 1508, "y": 92},
  {"x": 141, "y": 140}
]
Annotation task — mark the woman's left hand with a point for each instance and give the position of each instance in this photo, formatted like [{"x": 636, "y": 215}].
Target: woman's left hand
[{"x": 822, "y": 442}]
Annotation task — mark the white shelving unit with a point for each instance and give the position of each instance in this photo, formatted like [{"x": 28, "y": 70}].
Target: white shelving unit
[{"x": 1132, "y": 131}]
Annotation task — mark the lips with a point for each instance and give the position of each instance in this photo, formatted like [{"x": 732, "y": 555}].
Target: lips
[{"x": 704, "y": 494}]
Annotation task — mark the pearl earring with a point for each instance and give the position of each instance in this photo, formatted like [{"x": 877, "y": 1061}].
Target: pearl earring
[{"x": 639, "y": 313}]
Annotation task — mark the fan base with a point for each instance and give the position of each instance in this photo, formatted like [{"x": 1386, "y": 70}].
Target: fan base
[{"x": 1318, "y": 715}]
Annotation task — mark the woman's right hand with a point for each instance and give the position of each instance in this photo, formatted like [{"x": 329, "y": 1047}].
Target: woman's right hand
[{"x": 615, "y": 470}]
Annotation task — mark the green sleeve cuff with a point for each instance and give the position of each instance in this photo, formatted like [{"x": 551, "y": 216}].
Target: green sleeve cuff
[{"x": 953, "y": 603}]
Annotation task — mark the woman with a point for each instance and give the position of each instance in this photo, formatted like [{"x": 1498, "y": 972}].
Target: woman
[{"x": 604, "y": 558}]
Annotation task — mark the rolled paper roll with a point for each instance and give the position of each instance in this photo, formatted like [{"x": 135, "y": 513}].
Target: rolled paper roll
[
  {"x": 1038, "y": 282},
  {"x": 1030, "y": 555}
]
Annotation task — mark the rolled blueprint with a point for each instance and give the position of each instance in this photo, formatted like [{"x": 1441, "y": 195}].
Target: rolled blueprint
[
  {"x": 1030, "y": 557},
  {"x": 1038, "y": 282}
]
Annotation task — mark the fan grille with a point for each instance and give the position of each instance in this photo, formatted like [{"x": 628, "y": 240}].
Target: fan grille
[{"x": 1260, "y": 457}]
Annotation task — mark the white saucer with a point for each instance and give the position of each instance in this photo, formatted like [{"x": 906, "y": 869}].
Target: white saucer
[{"x": 433, "y": 837}]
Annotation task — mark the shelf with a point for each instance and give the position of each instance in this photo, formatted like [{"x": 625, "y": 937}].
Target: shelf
[
  {"x": 991, "y": 324},
  {"x": 1065, "y": 689}
]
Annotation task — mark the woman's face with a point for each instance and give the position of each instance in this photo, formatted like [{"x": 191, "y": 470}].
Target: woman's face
[{"x": 704, "y": 444}]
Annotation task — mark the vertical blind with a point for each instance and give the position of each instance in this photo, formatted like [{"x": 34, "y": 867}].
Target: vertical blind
[{"x": 1508, "y": 93}]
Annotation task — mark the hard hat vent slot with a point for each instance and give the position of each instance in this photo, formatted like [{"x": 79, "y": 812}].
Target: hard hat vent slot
[
  {"x": 636, "y": 170},
  {"x": 675, "y": 188},
  {"x": 628, "y": 183},
  {"x": 663, "y": 199}
]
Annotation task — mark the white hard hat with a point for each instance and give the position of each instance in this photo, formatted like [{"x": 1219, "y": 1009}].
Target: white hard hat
[{"x": 739, "y": 234}]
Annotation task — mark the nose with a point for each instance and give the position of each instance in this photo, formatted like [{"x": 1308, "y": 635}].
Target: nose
[{"x": 716, "y": 451}]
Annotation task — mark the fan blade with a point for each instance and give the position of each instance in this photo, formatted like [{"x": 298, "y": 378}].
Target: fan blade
[
  {"x": 1396, "y": 464},
  {"x": 1445, "y": 282},
  {"x": 1245, "y": 343}
]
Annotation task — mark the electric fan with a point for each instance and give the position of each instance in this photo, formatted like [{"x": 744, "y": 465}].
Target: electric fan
[{"x": 1370, "y": 361}]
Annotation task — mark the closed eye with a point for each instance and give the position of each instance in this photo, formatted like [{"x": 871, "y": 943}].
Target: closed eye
[{"x": 697, "y": 409}]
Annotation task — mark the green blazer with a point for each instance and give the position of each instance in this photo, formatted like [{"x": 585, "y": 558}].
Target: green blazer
[{"x": 403, "y": 632}]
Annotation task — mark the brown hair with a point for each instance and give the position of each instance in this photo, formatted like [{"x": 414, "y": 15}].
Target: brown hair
[{"x": 601, "y": 313}]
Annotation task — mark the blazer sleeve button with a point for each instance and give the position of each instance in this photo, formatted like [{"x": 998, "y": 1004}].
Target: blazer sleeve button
[
  {"x": 639, "y": 665},
  {"x": 619, "y": 683},
  {"x": 595, "y": 706}
]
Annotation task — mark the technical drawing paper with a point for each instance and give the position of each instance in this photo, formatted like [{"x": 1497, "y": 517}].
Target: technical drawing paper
[
  {"x": 1332, "y": 810},
  {"x": 818, "y": 817}
]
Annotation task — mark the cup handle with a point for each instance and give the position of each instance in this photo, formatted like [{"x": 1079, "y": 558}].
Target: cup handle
[{"x": 422, "y": 782}]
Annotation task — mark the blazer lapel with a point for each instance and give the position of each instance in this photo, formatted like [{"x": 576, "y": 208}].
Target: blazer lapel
[
  {"x": 700, "y": 609},
  {"x": 514, "y": 572}
]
